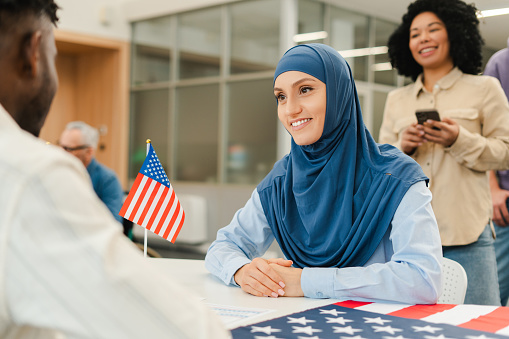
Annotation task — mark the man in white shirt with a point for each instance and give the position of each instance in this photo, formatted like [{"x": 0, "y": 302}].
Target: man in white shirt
[{"x": 65, "y": 267}]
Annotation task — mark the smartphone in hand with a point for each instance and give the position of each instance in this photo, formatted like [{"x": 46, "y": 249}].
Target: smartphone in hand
[{"x": 427, "y": 114}]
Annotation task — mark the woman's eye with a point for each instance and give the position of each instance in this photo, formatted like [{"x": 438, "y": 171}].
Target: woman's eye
[
  {"x": 306, "y": 89},
  {"x": 280, "y": 97},
  {"x": 413, "y": 36}
]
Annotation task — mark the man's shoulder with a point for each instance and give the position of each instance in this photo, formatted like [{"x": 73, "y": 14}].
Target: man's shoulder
[
  {"x": 30, "y": 155},
  {"x": 103, "y": 170},
  {"x": 103, "y": 177}
]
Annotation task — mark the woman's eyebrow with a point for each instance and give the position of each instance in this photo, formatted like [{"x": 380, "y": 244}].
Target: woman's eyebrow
[
  {"x": 435, "y": 22},
  {"x": 296, "y": 83},
  {"x": 430, "y": 24}
]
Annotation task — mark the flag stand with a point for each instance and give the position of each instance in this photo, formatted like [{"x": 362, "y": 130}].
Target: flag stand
[{"x": 146, "y": 231}]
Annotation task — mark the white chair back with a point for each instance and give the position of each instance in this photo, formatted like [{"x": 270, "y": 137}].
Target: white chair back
[{"x": 454, "y": 283}]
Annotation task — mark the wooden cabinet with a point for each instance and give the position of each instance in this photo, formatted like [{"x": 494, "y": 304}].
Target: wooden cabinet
[{"x": 93, "y": 78}]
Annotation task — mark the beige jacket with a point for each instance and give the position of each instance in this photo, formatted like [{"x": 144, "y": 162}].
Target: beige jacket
[{"x": 458, "y": 174}]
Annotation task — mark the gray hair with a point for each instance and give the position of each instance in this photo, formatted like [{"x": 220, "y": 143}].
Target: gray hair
[{"x": 89, "y": 134}]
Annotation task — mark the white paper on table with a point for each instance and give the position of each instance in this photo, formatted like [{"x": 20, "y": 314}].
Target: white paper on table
[{"x": 232, "y": 314}]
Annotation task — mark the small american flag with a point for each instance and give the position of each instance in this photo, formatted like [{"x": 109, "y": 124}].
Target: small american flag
[
  {"x": 152, "y": 203},
  {"x": 352, "y": 319}
]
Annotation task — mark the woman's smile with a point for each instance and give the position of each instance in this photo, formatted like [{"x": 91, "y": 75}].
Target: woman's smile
[
  {"x": 300, "y": 123},
  {"x": 427, "y": 51}
]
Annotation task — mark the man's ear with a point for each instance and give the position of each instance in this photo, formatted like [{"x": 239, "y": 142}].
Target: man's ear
[
  {"x": 31, "y": 53},
  {"x": 91, "y": 151}
]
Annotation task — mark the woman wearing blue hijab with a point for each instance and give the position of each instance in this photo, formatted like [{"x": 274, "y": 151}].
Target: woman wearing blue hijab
[{"x": 353, "y": 218}]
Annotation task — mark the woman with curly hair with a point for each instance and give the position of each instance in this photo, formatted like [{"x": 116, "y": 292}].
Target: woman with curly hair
[{"x": 438, "y": 45}]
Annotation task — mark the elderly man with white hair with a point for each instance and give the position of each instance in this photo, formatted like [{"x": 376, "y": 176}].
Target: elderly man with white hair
[{"x": 81, "y": 139}]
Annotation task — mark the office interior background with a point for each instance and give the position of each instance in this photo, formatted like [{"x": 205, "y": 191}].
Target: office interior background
[{"x": 196, "y": 76}]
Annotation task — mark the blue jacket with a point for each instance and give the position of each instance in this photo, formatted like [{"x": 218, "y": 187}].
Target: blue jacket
[{"x": 107, "y": 187}]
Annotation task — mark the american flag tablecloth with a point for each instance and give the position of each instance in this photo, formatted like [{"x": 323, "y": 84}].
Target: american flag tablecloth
[{"x": 357, "y": 320}]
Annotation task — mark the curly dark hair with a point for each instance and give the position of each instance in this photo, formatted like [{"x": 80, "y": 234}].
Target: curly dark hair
[
  {"x": 462, "y": 26},
  {"x": 12, "y": 10}
]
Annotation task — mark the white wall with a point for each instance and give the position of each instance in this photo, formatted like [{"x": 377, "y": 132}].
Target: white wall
[
  {"x": 144, "y": 9},
  {"x": 111, "y": 18},
  {"x": 104, "y": 18}
]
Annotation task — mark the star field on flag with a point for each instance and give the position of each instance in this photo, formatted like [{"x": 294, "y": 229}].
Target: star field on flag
[
  {"x": 345, "y": 320},
  {"x": 152, "y": 203}
]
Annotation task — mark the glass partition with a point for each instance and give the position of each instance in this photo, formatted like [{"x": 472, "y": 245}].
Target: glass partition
[
  {"x": 210, "y": 124},
  {"x": 254, "y": 36},
  {"x": 362, "y": 103},
  {"x": 378, "y": 112},
  {"x": 252, "y": 131},
  {"x": 197, "y": 129},
  {"x": 384, "y": 74},
  {"x": 199, "y": 37},
  {"x": 311, "y": 18},
  {"x": 151, "y": 51},
  {"x": 152, "y": 124},
  {"x": 349, "y": 31}
]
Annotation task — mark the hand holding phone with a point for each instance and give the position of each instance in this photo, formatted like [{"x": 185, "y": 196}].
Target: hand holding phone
[{"x": 427, "y": 114}]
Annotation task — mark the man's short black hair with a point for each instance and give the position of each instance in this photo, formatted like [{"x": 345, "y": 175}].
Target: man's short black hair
[
  {"x": 11, "y": 10},
  {"x": 462, "y": 26}
]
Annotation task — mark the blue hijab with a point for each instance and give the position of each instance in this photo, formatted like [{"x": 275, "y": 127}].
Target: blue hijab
[{"x": 330, "y": 203}]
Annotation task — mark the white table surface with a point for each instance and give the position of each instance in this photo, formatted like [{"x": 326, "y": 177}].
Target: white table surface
[{"x": 194, "y": 276}]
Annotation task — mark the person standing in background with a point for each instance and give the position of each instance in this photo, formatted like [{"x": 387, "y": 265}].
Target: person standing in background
[
  {"x": 81, "y": 139},
  {"x": 498, "y": 67},
  {"x": 66, "y": 270},
  {"x": 438, "y": 45}
]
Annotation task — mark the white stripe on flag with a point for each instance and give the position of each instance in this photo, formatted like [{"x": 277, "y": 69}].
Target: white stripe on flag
[
  {"x": 168, "y": 217},
  {"x": 154, "y": 225},
  {"x": 136, "y": 197},
  {"x": 153, "y": 206},
  {"x": 144, "y": 201},
  {"x": 459, "y": 314},
  {"x": 382, "y": 308},
  {"x": 503, "y": 331},
  {"x": 177, "y": 222}
]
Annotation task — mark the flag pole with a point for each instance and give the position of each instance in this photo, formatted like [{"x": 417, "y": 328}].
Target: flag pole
[{"x": 146, "y": 231}]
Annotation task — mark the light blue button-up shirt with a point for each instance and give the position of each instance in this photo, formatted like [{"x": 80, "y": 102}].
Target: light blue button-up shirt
[{"x": 406, "y": 266}]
